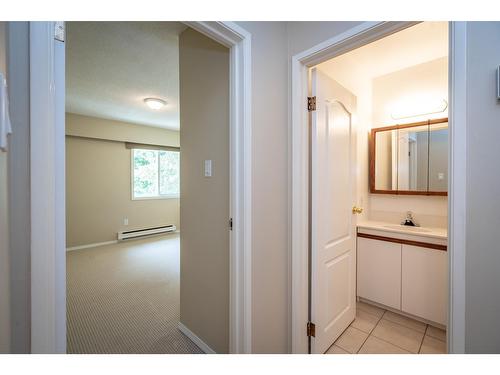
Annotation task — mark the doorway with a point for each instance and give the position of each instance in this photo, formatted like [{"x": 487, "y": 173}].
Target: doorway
[
  {"x": 134, "y": 283},
  {"x": 300, "y": 313},
  {"x": 47, "y": 61}
]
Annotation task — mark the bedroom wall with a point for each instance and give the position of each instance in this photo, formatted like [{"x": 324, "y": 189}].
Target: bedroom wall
[
  {"x": 98, "y": 180},
  {"x": 204, "y": 135}
]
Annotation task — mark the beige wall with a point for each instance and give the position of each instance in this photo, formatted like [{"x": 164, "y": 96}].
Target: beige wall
[
  {"x": 98, "y": 181},
  {"x": 204, "y": 135},
  {"x": 92, "y": 127},
  {"x": 4, "y": 228}
]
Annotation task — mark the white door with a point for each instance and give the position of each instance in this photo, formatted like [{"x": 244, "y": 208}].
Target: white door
[{"x": 333, "y": 225}]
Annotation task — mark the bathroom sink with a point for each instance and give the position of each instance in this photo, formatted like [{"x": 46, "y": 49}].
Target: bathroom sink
[{"x": 408, "y": 228}]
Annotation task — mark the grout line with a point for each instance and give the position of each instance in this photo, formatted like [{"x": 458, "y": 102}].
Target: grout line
[
  {"x": 357, "y": 329},
  {"x": 370, "y": 333},
  {"x": 402, "y": 325},
  {"x": 423, "y": 337},
  {"x": 397, "y": 346}
]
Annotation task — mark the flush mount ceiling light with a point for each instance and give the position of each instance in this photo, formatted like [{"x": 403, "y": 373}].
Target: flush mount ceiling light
[{"x": 155, "y": 103}]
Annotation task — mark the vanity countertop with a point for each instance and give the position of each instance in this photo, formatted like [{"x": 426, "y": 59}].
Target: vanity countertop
[{"x": 437, "y": 233}]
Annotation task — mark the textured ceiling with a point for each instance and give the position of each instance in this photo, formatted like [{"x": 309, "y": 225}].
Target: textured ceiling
[
  {"x": 112, "y": 66},
  {"x": 423, "y": 42}
]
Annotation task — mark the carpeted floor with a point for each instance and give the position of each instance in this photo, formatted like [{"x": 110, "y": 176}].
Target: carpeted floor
[{"x": 124, "y": 298}]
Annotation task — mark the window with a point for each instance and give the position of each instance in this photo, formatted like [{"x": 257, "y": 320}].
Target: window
[{"x": 155, "y": 174}]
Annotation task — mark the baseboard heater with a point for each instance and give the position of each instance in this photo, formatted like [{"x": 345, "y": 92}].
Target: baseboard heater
[{"x": 145, "y": 232}]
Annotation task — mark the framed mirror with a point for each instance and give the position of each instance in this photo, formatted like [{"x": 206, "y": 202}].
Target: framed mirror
[{"x": 410, "y": 159}]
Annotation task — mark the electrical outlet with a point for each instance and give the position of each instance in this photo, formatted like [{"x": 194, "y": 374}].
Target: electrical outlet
[{"x": 125, "y": 221}]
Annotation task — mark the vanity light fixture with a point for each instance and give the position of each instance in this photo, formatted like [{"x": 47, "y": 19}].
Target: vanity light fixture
[
  {"x": 419, "y": 108},
  {"x": 155, "y": 103}
]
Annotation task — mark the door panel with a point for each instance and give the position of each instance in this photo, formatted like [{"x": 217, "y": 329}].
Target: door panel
[{"x": 333, "y": 194}]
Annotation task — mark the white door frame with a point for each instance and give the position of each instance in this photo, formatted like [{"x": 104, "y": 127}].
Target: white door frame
[
  {"x": 48, "y": 266},
  {"x": 356, "y": 37}
]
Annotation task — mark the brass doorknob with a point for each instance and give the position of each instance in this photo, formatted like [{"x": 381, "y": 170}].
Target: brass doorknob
[{"x": 357, "y": 210}]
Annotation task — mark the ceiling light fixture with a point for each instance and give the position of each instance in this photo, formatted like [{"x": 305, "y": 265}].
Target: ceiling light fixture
[{"x": 155, "y": 103}]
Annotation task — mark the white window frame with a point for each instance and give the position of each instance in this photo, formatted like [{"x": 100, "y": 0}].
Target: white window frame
[{"x": 156, "y": 197}]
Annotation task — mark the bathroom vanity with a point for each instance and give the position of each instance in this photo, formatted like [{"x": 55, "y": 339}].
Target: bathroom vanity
[{"x": 404, "y": 268}]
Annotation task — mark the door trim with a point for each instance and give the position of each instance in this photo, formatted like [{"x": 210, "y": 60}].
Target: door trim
[
  {"x": 48, "y": 307},
  {"x": 358, "y": 36}
]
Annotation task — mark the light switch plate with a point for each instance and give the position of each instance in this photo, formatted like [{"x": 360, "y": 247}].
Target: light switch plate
[{"x": 208, "y": 168}]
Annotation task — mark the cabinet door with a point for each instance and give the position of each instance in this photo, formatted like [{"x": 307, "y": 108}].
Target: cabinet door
[
  {"x": 379, "y": 271},
  {"x": 425, "y": 283}
]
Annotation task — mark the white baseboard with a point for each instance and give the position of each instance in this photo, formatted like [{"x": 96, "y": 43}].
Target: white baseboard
[
  {"x": 91, "y": 245},
  {"x": 199, "y": 342}
]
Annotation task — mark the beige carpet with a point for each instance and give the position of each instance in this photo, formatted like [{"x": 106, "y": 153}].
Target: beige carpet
[{"x": 124, "y": 298}]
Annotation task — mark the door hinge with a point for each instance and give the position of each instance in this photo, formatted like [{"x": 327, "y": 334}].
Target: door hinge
[
  {"x": 59, "y": 31},
  {"x": 311, "y": 329},
  {"x": 311, "y": 103},
  {"x": 231, "y": 224}
]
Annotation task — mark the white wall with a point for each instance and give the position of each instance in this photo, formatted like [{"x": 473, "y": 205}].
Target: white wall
[
  {"x": 270, "y": 187},
  {"x": 273, "y": 44},
  {"x": 357, "y": 69},
  {"x": 19, "y": 191},
  {"x": 482, "y": 331},
  {"x": 4, "y": 226},
  {"x": 410, "y": 84}
]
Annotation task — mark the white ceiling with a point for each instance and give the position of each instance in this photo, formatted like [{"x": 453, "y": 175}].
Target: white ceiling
[
  {"x": 112, "y": 66},
  {"x": 423, "y": 42}
]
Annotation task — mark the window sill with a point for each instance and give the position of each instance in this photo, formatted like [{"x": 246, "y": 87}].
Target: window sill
[{"x": 156, "y": 198}]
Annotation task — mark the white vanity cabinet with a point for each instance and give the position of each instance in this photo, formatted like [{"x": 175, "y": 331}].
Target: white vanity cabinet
[
  {"x": 424, "y": 283},
  {"x": 404, "y": 272},
  {"x": 379, "y": 271}
]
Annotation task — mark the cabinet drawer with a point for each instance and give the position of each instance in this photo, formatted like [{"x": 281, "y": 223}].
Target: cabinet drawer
[{"x": 379, "y": 271}]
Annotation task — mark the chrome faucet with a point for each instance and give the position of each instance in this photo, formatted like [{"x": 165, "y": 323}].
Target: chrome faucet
[{"x": 409, "y": 220}]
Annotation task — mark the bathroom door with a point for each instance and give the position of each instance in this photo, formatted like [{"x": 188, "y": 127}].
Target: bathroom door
[{"x": 333, "y": 224}]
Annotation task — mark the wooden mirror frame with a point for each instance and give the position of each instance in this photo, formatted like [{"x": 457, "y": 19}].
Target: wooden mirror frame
[{"x": 372, "y": 158}]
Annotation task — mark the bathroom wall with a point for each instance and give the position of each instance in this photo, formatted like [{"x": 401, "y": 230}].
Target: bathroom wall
[{"x": 424, "y": 80}]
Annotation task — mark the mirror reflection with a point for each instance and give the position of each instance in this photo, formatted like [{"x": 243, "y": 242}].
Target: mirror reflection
[{"x": 410, "y": 159}]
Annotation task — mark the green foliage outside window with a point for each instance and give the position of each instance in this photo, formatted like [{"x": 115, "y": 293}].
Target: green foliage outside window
[{"x": 156, "y": 173}]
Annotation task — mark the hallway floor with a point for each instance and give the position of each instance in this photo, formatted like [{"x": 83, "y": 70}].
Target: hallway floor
[
  {"x": 378, "y": 331},
  {"x": 124, "y": 298}
]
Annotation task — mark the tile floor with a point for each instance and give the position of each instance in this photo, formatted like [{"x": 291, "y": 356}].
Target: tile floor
[{"x": 378, "y": 331}]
